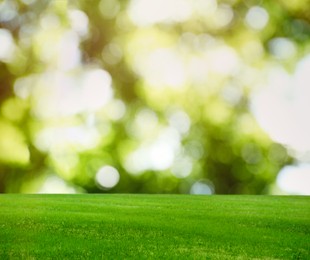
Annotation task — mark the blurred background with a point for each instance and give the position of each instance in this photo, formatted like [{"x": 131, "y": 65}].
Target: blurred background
[{"x": 155, "y": 96}]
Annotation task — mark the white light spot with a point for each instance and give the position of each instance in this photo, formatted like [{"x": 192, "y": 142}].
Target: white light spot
[
  {"x": 78, "y": 138},
  {"x": 54, "y": 184},
  {"x": 257, "y": 18},
  {"x": 148, "y": 12},
  {"x": 162, "y": 68},
  {"x": 116, "y": 109},
  {"x": 180, "y": 121},
  {"x": 203, "y": 187},
  {"x": 161, "y": 156},
  {"x": 7, "y": 45},
  {"x": 224, "y": 60},
  {"x": 198, "y": 69},
  {"x": 232, "y": 94},
  {"x": 54, "y": 95},
  {"x": 157, "y": 155},
  {"x": 182, "y": 167},
  {"x": 107, "y": 177},
  {"x": 56, "y": 48},
  {"x": 97, "y": 89},
  {"x": 22, "y": 87},
  {"x": 145, "y": 124},
  {"x": 295, "y": 179},
  {"x": 137, "y": 161},
  {"x": 58, "y": 94},
  {"x": 79, "y": 22},
  {"x": 224, "y": 15},
  {"x": 281, "y": 107},
  {"x": 8, "y": 10},
  {"x": 282, "y": 48},
  {"x": 25, "y": 35},
  {"x": 69, "y": 55},
  {"x": 204, "y": 7}
]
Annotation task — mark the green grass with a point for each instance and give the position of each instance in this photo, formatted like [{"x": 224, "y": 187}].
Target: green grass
[{"x": 154, "y": 226}]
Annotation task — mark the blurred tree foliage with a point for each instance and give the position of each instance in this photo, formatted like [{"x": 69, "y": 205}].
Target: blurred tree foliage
[{"x": 158, "y": 90}]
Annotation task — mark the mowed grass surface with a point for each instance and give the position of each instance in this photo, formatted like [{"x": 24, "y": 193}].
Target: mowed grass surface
[{"x": 154, "y": 226}]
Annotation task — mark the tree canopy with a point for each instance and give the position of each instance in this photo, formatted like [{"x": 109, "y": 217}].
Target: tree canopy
[{"x": 166, "y": 96}]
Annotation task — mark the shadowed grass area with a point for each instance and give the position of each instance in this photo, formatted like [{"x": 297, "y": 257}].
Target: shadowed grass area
[{"x": 154, "y": 226}]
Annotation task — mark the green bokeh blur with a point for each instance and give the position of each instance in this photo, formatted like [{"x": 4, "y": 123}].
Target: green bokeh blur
[{"x": 142, "y": 96}]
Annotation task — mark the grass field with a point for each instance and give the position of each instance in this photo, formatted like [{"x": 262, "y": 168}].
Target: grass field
[{"x": 154, "y": 226}]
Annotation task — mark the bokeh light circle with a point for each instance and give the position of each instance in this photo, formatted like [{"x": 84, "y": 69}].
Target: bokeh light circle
[{"x": 107, "y": 177}]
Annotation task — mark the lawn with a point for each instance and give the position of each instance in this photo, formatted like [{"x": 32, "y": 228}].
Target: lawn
[{"x": 154, "y": 226}]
